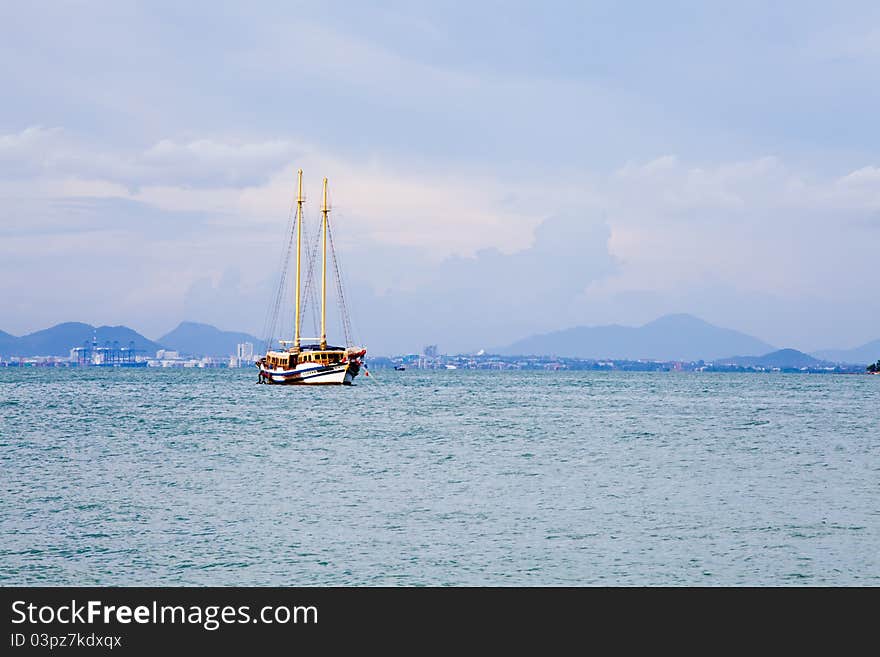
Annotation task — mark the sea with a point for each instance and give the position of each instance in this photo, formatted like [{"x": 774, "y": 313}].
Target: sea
[{"x": 510, "y": 478}]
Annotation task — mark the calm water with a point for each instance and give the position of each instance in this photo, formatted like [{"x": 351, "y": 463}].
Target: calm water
[{"x": 201, "y": 477}]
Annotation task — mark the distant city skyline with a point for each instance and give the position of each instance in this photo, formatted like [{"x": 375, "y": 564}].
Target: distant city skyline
[{"x": 496, "y": 170}]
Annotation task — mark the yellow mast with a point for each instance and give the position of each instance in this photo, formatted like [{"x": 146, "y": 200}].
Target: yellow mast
[
  {"x": 299, "y": 220},
  {"x": 325, "y": 209}
]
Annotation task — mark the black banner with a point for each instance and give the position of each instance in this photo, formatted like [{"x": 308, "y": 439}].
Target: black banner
[{"x": 150, "y": 620}]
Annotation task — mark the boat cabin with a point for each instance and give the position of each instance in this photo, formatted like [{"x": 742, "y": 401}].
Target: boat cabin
[
  {"x": 323, "y": 357},
  {"x": 289, "y": 359}
]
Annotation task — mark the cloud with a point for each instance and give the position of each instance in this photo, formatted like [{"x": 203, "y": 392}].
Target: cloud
[
  {"x": 36, "y": 151},
  {"x": 559, "y": 168},
  {"x": 864, "y": 176},
  {"x": 477, "y": 258},
  {"x": 28, "y": 152},
  {"x": 486, "y": 299},
  {"x": 462, "y": 301},
  {"x": 253, "y": 183},
  {"x": 208, "y": 161},
  {"x": 708, "y": 239}
]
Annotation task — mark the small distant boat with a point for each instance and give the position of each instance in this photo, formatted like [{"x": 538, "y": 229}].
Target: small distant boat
[
  {"x": 400, "y": 368},
  {"x": 318, "y": 362}
]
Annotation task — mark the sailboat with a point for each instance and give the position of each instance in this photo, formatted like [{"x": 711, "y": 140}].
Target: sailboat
[{"x": 311, "y": 360}]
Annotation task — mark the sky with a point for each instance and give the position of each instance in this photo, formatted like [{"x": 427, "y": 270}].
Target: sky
[{"x": 496, "y": 169}]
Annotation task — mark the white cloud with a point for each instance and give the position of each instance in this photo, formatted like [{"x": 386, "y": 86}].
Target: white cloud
[
  {"x": 863, "y": 176},
  {"x": 199, "y": 206},
  {"x": 27, "y": 152},
  {"x": 216, "y": 161},
  {"x": 440, "y": 211}
]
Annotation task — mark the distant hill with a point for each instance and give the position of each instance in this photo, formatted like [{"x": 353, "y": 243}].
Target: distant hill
[
  {"x": 60, "y": 339},
  {"x": 6, "y": 342},
  {"x": 867, "y": 353},
  {"x": 783, "y": 359},
  {"x": 205, "y": 340},
  {"x": 672, "y": 337}
]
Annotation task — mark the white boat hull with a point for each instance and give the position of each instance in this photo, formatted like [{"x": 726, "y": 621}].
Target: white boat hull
[{"x": 309, "y": 374}]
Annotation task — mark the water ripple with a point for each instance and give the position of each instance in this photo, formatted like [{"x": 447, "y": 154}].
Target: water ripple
[{"x": 444, "y": 478}]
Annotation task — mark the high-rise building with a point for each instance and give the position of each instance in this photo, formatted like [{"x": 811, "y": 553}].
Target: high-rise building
[{"x": 244, "y": 355}]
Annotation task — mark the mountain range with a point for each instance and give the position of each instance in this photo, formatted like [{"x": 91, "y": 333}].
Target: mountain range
[
  {"x": 675, "y": 337},
  {"x": 669, "y": 338},
  {"x": 189, "y": 338},
  {"x": 782, "y": 358},
  {"x": 61, "y": 338},
  {"x": 205, "y": 340},
  {"x": 672, "y": 337},
  {"x": 867, "y": 353}
]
